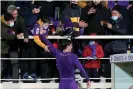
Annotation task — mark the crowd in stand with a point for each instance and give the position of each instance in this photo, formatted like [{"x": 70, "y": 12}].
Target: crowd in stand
[{"x": 27, "y": 18}]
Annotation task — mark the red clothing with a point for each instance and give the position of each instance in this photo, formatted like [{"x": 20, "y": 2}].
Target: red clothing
[
  {"x": 88, "y": 52},
  {"x": 55, "y": 45}
]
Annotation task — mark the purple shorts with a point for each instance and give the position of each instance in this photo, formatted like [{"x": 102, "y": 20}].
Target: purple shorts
[{"x": 68, "y": 83}]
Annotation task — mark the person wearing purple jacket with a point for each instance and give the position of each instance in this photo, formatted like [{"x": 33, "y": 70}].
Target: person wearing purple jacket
[{"x": 66, "y": 61}]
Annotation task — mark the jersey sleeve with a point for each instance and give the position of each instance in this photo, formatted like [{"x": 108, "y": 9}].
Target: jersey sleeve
[
  {"x": 80, "y": 67},
  {"x": 36, "y": 37},
  {"x": 48, "y": 43}
]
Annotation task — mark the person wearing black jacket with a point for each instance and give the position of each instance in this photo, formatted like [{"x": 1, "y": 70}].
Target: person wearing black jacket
[
  {"x": 8, "y": 34},
  {"x": 92, "y": 15},
  {"x": 19, "y": 24},
  {"x": 19, "y": 27},
  {"x": 30, "y": 14},
  {"x": 70, "y": 17},
  {"x": 116, "y": 27}
]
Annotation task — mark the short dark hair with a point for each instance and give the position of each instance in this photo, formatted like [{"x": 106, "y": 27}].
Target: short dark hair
[
  {"x": 64, "y": 43},
  {"x": 46, "y": 19},
  {"x": 8, "y": 17}
]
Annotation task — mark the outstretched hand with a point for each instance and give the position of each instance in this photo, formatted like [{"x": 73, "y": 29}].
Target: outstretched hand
[{"x": 47, "y": 49}]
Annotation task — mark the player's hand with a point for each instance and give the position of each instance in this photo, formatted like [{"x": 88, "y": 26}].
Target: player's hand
[
  {"x": 88, "y": 84},
  {"x": 46, "y": 49}
]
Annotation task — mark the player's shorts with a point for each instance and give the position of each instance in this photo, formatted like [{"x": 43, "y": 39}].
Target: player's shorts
[{"x": 68, "y": 83}]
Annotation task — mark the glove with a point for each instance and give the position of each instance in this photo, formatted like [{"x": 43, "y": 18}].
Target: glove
[
  {"x": 94, "y": 58},
  {"x": 89, "y": 58}
]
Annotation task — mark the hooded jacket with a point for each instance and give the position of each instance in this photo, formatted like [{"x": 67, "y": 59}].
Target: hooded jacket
[{"x": 6, "y": 35}]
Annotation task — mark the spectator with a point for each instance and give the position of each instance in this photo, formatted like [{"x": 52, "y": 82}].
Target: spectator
[
  {"x": 70, "y": 17},
  {"x": 7, "y": 34},
  {"x": 93, "y": 50},
  {"x": 30, "y": 14},
  {"x": 92, "y": 16},
  {"x": 42, "y": 24},
  {"x": 19, "y": 27},
  {"x": 116, "y": 27},
  {"x": 19, "y": 22},
  {"x": 125, "y": 5}
]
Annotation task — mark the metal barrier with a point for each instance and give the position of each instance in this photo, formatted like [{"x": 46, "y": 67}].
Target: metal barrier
[
  {"x": 42, "y": 58},
  {"x": 89, "y": 37},
  {"x": 55, "y": 85}
]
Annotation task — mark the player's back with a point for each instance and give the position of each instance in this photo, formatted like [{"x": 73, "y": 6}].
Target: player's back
[{"x": 65, "y": 64}]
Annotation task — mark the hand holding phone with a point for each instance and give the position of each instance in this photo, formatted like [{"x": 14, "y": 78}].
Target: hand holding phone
[{"x": 103, "y": 22}]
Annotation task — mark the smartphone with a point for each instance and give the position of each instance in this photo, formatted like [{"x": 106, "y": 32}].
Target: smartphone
[{"x": 104, "y": 22}]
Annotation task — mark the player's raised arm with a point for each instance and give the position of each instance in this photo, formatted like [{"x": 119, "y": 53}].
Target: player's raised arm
[{"x": 48, "y": 43}]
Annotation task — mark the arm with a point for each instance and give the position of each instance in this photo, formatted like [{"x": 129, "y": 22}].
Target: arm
[
  {"x": 80, "y": 67},
  {"x": 48, "y": 43},
  {"x": 23, "y": 27},
  {"x": 38, "y": 41},
  {"x": 121, "y": 31}
]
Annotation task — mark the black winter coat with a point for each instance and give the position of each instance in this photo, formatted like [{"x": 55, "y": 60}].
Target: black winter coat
[{"x": 94, "y": 20}]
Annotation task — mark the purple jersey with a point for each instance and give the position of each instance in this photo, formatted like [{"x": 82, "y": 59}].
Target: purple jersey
[
  {"x": 65, "y": 62},
  {"x": 36, "y": 30}
]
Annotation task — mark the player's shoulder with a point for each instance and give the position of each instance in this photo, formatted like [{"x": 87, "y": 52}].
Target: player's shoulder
[{"x": 74, "y": 55}]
